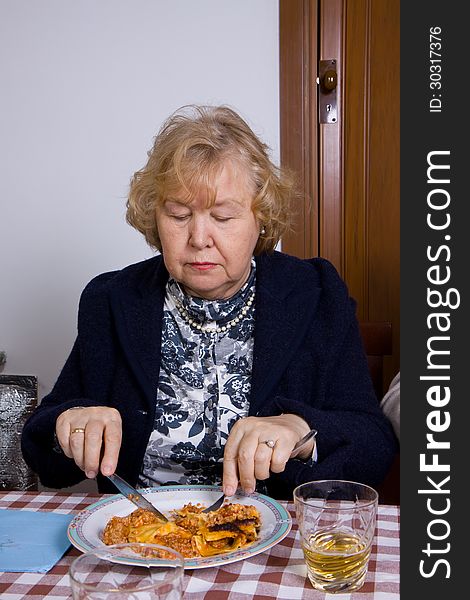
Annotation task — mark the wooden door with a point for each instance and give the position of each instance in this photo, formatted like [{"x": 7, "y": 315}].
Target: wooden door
[{"x": 348, "y": 170}]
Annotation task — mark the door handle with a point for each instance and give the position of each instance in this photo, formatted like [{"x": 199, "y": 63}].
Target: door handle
[
  {"x": 329, "y": 81},
  {"x": 327, "y": 91}
]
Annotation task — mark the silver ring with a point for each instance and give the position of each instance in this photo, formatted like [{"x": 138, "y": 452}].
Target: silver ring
[
  {"x": 78, "y": 430},
  {"x": 269, "y": 443}
]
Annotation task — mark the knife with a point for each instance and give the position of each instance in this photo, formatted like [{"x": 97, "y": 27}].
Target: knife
[{"x": 134, "y": 496}]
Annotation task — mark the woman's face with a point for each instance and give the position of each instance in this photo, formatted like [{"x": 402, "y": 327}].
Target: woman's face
[{"x": 208, "y": 249}]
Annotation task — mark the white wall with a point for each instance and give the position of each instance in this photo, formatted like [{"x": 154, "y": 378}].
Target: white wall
[{"x": 85, "y": 85}]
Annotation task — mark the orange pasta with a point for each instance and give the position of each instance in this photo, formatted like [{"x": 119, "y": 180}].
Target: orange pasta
[{"x": 189, "y": 531}]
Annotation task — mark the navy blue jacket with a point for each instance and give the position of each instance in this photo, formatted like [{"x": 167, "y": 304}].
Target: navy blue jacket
[{"x": 308, "y": 360}]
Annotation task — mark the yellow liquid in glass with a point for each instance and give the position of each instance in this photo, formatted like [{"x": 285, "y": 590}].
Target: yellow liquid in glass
[{"x": 336, "y": 560}]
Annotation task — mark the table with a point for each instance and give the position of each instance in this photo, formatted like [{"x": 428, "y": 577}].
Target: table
[{"x": 278, "y": 573}]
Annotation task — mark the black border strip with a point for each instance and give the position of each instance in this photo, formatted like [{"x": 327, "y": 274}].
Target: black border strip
[{"x": 434, "y": 336}]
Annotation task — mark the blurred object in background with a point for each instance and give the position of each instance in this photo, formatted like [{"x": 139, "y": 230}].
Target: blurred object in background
[
  {"x": 18, "y": 398},
  {"x": 390, "y": 404}
]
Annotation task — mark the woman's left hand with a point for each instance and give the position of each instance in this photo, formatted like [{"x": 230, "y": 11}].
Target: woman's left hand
[{"x": 247, "y": 457}]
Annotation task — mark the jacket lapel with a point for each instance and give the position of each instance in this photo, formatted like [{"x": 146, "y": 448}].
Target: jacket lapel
[
  {"x": 138, "y": 313},
  {"x": 285, "y": 305}
]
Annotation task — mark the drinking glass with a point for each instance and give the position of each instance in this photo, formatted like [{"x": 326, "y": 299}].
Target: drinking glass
[
  {"x": 337, "y": 522},
  {"x": 125, "y": 571}
]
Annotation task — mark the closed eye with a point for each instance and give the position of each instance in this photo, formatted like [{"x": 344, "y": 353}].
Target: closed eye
[
  {"x": 180, "y": 217},
  {"x": 222, "y": 218}
]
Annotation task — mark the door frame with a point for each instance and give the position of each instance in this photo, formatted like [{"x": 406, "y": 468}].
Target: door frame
[{"x": 309, "y": 31}]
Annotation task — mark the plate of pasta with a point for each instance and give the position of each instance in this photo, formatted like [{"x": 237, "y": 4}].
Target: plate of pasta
[{"x": 243, "y": 527}]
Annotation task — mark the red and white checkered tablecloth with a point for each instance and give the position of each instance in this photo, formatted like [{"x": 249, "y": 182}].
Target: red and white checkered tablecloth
[{"x": 278, "y": 573}]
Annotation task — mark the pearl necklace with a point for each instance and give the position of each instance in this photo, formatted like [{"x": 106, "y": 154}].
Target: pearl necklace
[{"x": 210, "y": 328}]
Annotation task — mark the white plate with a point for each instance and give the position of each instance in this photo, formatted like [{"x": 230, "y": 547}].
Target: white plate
[{"x": 86, "y": 528}]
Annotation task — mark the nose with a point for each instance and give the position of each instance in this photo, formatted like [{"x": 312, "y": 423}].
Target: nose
[{"x": 200, "y": 235}]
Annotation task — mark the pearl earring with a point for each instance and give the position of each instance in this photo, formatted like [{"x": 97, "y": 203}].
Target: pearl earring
[{"x": 263, "y": 231}]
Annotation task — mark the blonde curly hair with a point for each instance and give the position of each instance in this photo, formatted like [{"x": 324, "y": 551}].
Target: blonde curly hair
[{"x": 189, "y": 151}]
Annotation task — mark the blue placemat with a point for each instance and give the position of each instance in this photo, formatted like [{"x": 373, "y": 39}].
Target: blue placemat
[{"x": 32, "y": 541}]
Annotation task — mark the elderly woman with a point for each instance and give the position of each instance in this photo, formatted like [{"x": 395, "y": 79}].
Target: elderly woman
[{"x": 208, "y": 362}]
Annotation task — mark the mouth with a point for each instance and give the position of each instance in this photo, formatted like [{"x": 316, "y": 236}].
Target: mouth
[{"x": 202, "y": 266}]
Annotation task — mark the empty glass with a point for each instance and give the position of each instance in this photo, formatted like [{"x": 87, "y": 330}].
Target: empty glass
[{"x": 128, "y": 571}]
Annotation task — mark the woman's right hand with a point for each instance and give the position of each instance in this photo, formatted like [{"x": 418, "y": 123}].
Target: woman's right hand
[{"x": 92, "y": 437}]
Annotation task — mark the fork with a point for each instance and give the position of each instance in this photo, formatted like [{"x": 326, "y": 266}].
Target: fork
[{"x": 295, "y": 450}]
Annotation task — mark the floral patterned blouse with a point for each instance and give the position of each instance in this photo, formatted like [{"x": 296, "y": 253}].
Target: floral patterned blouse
[{"x": 203, "y": 388}]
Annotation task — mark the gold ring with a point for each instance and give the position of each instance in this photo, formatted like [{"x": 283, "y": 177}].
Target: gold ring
[
  {"x": 269, "y": 443},
  {"x": 78, "y": 430}
]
